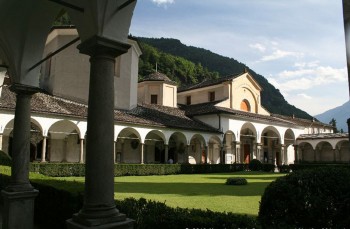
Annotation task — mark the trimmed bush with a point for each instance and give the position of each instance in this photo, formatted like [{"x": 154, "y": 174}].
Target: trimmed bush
[
  {"x": 317, "y": 198},
  {"x": 295, "y": 167},
  {"x": 78, "y": 169},
  {"x": 284, "y": 169},
  {"x": 255, "y": 165},
  {"x": 236, "y": 181},
  {"x": 153, "y": 215},
  {"x": 268, "y": 167}
]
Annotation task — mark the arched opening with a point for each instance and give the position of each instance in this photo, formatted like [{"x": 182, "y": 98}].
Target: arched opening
[
  {"x": 177, "y": 148},
  {"x": 245, "y": 105},
  {"x": 64, "y": 142},
  {"x": 156, "y": 151},
  {"x": 214, "y": 150},
  {"x": 324, "y": 152},
  {"x": 344, "y": 151},
  {"x": 247, "y": 143},
  {"x": 271, "y": 146},
  {"x": 229, "y": 150},
  {"x": 127, "y": 149},
  {"x": 306, "y": 152},
  {"x": 36, "y": 139},
  {"x": 197, "y": 150},
  {"x": 289, "y": 141}
]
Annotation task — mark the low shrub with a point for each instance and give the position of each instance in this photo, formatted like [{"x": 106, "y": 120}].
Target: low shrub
[
  {"x": 78, "y": 169},
  {"x": 295, "y": 167},
  {"x": 284, "y": 168},
  {"x": 236, "y": 181},
  {"x": 255, "y": 165},
  {"x": 310, "y": 198},
  {"x": 153, "y": 215},
  {"x": 268, "y": 167}
]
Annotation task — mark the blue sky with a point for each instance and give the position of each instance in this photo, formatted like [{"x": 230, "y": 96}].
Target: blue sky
[{"x": 298, "y": 45}]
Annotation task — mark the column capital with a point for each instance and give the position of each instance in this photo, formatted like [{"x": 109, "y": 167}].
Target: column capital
[{"x": 98, "y": 45}]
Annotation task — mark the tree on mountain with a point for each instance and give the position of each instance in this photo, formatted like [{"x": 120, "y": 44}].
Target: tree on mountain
[{"x": 333, "y": 123}]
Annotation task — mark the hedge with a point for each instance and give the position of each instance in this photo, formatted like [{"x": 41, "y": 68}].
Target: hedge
[
  {"x": 78, "y": 170},
  {"x": 53, "y": 207},
  {"x": 152, "y": 215},
  {"x": 309, "y": 198},
  {"x": 302, "y": 166}
]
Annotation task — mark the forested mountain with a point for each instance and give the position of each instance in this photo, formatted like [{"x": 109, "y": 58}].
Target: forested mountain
[{"x": 189, "y": 65}]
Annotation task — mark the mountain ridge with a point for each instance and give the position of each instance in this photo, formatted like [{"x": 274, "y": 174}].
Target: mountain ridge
[
  {"x": 340, "y": 114},
  {"x": 271, "y": 97}
]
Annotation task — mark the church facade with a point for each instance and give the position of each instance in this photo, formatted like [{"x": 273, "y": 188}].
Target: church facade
[{"x": 215, "y": 121}]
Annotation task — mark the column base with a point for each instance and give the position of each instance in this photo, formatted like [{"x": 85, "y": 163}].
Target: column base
[
  {"x": 18, "y": 209},
  {"x": 117, "y": 222}
]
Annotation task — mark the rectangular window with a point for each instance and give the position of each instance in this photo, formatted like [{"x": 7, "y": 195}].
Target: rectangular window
[
  {"x": 188, "y": 100},
  {"x": 211, "y": 96},
  {"x": 154, "y": 99}
]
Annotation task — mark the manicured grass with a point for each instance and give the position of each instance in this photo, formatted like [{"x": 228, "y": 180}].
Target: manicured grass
[{"x": 202, "y": 191}]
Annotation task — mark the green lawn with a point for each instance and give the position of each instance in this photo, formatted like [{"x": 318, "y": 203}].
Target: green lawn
[{"x": 204, "y": 191}]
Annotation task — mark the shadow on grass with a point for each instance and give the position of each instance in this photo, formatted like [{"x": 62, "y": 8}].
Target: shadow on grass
[
  {"x": 267, "y": 179},
  {"x": 192, "y": 189}
]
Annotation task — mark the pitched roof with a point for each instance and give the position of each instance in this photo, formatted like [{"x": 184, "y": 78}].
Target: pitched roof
[
  {"x": 210, "y": 82},
  {"x": 211, "y": 108},
  {"x": 150, "y": 115},
  {"x": 323, "y": 136},
  {"x": 303, "y": 122},
  {"x": 157, "y": 76},
  {"x": 157, "y": 115}
]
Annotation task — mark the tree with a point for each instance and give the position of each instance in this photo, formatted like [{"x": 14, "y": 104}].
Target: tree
[{"x": 333, "y": 123}]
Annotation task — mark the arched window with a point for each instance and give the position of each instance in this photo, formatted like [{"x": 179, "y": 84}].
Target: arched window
[{"x": 245, "y": 106}]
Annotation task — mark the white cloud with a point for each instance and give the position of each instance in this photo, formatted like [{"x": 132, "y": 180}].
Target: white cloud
[
  {"x": 258, "y": 46},
  {"x": 278, "y": 54},
  {"x": 163, "y": 2},
  {"x": 305, "y": 96},
  {"x": 303, "y": 79},
  {"x": 311, "y": 64}
]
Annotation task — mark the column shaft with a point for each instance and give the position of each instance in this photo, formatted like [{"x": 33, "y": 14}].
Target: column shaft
[
  {"x": 0, "y": 141},
  {"x": 99, "y": 206},
  {"x": 81, "y": 155},
  {"x": 43, "y": 151},
  {"x": 21, "y": 144},
  {"x": 142, "y": 153},
  {"x": 166, "y": 153}
]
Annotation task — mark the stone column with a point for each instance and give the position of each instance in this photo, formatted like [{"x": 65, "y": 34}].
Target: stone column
[
  {"x": 238, "y": 152},
  {"x": 283, "y": 154},
  {"x": 222, "y": 154},
  {"x": 81, "y": 155},
  {"x": 187, "y": 154},
  {"x": 19, "y": 196},
  {"x": 43, "y": 151},
  {"x": 206, "y": 154},
  {"x": 166, "y": 153},
  {"x": 142, "y": 153},
  {"x": 259, "y": 155},
  {"x": 99, "y": 210},
  {"x": 122, "y": 152},
  {"x": 296, "y": 159},
  {"x": 1, "y": 141}
]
